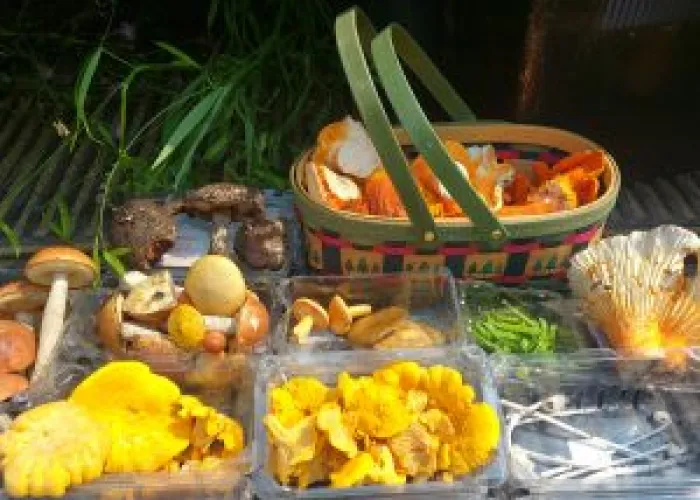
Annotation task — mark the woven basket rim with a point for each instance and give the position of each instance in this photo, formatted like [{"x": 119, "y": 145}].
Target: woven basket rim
[{"x": 445, "y": 131}]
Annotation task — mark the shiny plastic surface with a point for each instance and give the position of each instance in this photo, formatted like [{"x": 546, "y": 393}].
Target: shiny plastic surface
[
  {"x": 640, "y": 405},
  {"x": 429, "y": 297},
  {"x": 274, "y": 370}
]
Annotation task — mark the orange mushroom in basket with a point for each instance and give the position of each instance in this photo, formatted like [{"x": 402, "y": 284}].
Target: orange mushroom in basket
[
  {"x": 346, "y": 147},
  {"x": 333, "y": 190}
]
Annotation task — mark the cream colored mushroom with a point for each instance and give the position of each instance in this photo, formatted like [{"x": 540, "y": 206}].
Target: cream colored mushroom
[
  {"x": 309, "y": 315},
  {"x": 61, "y": 268},
  {"x": 215, "y": 286},
  {"x": 340, "y": 315}
]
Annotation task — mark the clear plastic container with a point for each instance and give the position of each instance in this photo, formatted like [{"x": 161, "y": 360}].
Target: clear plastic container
[
  {"x": 79, "y": 354},
  {"x": 621, "y": 408},
  {"x": 429, "y": 298},
  {"x": 484, "y": 304},
  {"x": 275, "y": 370}
]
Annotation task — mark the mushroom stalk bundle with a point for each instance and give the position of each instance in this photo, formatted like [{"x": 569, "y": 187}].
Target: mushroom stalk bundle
[{"x": 635, "y": 289}]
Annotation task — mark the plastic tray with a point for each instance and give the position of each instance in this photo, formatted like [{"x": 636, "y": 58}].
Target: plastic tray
[
  {"x": 477, "y": 298},
  {"x": 78, "y": 355},
  {"x": 274, "y": 370},
  {"x": 619, "y": 398},
  {"x": 428, "y": 297}
]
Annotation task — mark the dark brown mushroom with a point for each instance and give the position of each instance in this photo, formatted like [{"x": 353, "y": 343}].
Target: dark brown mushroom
[
  {"x": 146, "y": 227},
  {"x": 260, "y": 243},
  {"x": 222, "y": 203}
]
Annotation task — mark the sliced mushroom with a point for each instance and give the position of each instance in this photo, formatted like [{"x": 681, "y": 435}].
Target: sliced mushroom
[
  {"x": 223, "y": 202},
  {"x": 152, "y": 299},
  {"x": 310, "y": 315},
  {"x": 62, "y": 268},
  {"x": 369, "y": 330},
  {"x": 341, "y": 315},
  {"x": 130, "y": 279}
]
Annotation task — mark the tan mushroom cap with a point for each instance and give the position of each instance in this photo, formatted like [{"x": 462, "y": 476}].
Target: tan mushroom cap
[
  {"x": 339, "y": 315},
  {"x": 253, "y": 321},
  {"x": 11, "y": 384},
  {"x": 22, "y": 296},
  {"x": 305, "y": 307},
  {"x": 17, "y": 346},
  {"x": 109, "y": 322},
  {"x": 79, "y": 269}
]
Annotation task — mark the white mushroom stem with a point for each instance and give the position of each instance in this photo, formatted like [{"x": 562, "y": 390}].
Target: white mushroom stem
[
  {"x": 221, "y": 324},
  {"x": 51, "y": 323},
  {"x": 130, "y": 330},
  {"x": 26, "y": 318},
  {"x": 219, "y": 233}
]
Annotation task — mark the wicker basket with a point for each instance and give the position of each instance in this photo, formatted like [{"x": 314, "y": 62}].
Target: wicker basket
[{"x": 512, "y": 250}]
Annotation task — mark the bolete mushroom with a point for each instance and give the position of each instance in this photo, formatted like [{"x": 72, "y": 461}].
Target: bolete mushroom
[
  {"x": 215, "y": 286},
  {"x": 223, "y": 202},
  {"x": 260, "y": 243},
  {"x": 62, "y": 268},
  {"x": 145, "y": 227},
  {"x": 310, "y": 315},
  {"x": 340, "y": 315},
  {"x": 17, "y": 346},
  {"x": 21, "y": 300}
]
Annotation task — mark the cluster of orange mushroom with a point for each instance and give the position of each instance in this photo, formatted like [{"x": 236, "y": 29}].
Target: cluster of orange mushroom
[{"x": 345, "y": 173}]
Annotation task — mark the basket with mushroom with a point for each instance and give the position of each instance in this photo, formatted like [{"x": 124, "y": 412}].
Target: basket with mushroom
[
  {"x": 32, "y": 313},
  {"x": 200, "y": 333},
  {"x": 367, "y": 312}
]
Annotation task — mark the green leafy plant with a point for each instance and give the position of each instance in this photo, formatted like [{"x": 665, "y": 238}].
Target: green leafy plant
[{"x": 63, "y": 226}]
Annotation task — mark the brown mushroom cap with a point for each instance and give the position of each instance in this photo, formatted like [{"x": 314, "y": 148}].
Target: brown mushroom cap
[
  {"x": 11, "y": 384},
  {"x": 17, "y": 346},
  {"x": 339, "y": 315},
  {"x": 233, "y": 199},
  {"x": 22, "y": 296},
  {"x": 79, "y": 269},
  {"x": 253, "y": 321},
  {"x": 304, "y": 307},
  {"x": 109, "y": 322}
]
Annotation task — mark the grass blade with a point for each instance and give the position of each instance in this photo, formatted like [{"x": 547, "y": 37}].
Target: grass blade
[
  {"x": 12, "y": 238},
  {"x": 178, "y": 54},
  {"x": 187, "y": 161},
  {"x": 211, "y": 16},
  {"x": 83, "y": 86},
  {"x": 114, "y": 263},
  {"x": 188, "y": 124}
]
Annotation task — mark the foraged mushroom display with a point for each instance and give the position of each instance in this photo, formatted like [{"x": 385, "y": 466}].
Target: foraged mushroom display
[
  {"x": 309, "y": 315},
  {"x": 22, "y": 301},
  {"x": 341, "y": 315},
  {"x": 222, "y": 203},
  {"x": 61, "y": 268},
  {"x": 171, "y": 328},
  {"x": 261, "y": 243},
  {"x": 145, "y": 227}
]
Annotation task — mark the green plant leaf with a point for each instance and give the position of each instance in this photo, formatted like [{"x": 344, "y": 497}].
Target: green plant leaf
[
  {"x": 66, "y": 221},
  {"x": 211, "y": 16},
  {"x": 83, "y": 86},
  {"x": 217, "y": 149},
  {"x": 98, "y": 262},
  {"x": 114, "y": 263},
  {"x": 12, "y": 238},
  {"x": 187, "y": 161},
  {"x": 186, "y": 126},
  {"x": 178, "y": 54},
  {"x": 120, "y": 251}
]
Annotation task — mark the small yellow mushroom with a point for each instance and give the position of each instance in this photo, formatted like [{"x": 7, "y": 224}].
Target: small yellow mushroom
[
  {"x": 310, "y": 315},
  {"x": 341, "y": 315}
]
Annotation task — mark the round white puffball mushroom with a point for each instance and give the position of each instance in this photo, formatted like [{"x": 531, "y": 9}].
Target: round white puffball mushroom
[{"x": 215, "y": 286}]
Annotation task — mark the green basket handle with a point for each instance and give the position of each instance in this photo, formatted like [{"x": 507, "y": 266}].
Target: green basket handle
[
  {"x": 393, "y": 39},
  {"x": 354, "y": 33}
]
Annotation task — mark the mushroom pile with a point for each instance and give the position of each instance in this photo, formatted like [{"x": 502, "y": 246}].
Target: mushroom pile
[
  {"x": 148, "y": 228},
  {"x": 150, "y": 317},
  {"x": 49, "y": 274},
  {"x": 389, "y": 327}
]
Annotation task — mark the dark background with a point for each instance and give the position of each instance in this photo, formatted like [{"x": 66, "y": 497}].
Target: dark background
[{"x": 624, "y": 72}]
